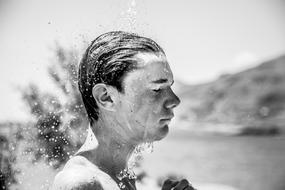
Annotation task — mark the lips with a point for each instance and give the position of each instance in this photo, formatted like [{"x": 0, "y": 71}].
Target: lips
[{"x": 166, "y": 120}]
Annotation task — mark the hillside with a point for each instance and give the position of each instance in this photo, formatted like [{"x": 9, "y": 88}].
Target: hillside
[{"x": 251, "y": 98}]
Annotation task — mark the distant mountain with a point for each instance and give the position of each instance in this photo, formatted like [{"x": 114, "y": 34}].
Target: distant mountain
[{"x": 254, "y": 97}]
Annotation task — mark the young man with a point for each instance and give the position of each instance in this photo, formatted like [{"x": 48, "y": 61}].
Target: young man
[{"x": 125, "y": 82}]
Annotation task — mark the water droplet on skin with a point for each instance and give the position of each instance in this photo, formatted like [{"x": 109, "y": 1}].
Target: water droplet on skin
[
  {"x": 121, "y": 185},
  {"x": 149, "y": 147}
]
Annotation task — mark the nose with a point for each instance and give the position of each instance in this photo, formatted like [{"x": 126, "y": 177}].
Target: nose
[{"x": 173, "y": 100}]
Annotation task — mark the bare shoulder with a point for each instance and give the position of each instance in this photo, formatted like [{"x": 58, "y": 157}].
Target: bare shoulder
[
  {"x": 77, "y": 175},
  {"x": 76, "y": 185}
]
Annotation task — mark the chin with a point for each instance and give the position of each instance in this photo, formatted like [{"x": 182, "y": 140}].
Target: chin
[{"x": 161, "y": 133}]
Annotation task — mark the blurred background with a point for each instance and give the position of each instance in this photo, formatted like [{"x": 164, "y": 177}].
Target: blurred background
[{"x": 228, "y": 60}]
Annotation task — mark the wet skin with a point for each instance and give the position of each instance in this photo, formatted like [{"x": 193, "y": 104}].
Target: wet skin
[
  {"x": 146, "y": 106},
  {"x": 139, "y": 114}
]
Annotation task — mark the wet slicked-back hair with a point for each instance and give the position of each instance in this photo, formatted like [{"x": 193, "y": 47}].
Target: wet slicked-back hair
[{"x": 109, "y": 57}]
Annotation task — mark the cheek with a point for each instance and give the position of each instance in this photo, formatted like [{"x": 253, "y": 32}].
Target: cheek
[
  {"x": 143, "y": 105},
  {"x": 147, "y": 106},
  {"x": 135, "y": 101}
]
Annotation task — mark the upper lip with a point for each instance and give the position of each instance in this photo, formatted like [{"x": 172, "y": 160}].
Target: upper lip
[{"x": 168, "y": 118}]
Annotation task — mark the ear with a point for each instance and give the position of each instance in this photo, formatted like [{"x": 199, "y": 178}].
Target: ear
[{"x": 105, "y": 96}]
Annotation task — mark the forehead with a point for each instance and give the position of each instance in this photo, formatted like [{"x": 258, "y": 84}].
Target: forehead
[
  {"x": 145, "y": 59},
  {"x": 150, "y": 67}
]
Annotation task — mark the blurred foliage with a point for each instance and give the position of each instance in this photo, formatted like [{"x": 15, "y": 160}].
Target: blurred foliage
[
  {"x": 8, "y": 151},
  {"x": 59, "y": 115}
]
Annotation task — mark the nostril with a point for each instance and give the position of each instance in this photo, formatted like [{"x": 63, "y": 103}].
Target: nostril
[
  {"x": 176, "y": 101},
  {"x": 173, "y": 102}
]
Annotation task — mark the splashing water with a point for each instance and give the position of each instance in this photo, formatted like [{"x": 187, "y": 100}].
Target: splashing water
[
  {"x": 130, "y": 15},
  {"x": 129, "y": 173},
  {"x": 135, "y": 158},
  {"x": 144, "y": 147},
  {"x": 133, "y": 161}
]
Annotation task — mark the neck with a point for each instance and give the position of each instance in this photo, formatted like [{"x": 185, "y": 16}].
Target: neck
[{"x": 112, "y": 151}]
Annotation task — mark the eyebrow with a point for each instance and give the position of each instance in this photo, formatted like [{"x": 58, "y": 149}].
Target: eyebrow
[{"x": 160, "y": 81}]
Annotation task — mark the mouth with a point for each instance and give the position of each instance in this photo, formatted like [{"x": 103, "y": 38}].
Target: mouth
[{"x": 165, "y": 121}]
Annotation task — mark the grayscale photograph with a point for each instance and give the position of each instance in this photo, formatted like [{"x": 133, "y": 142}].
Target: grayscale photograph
[{"x": 142, "y": 95}]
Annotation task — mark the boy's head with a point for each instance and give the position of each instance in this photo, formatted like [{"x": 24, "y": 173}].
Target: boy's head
[{"x": 107, "y": 60}]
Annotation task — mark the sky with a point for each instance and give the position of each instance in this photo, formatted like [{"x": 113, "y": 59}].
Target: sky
[{"x": 202, "y": 38}]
